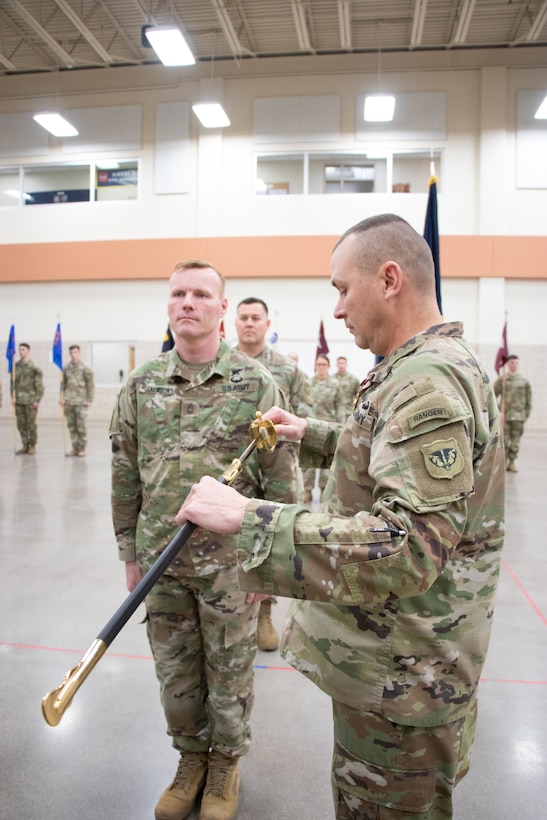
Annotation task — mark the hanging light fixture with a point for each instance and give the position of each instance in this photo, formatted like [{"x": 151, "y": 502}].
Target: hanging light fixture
[
  {"x": 169, "y": 44},
  {"x": 211, "y": 114},
  {"x": 541, "y": 113},
  {"x": 379, "y": 108},
  {"x": 55, "y": 124}
]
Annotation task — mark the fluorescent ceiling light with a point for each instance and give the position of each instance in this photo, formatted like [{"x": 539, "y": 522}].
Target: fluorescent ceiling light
[
  {"x": 55, "y": 124},
  {"x": 169, "y": 45},
  {"x": 379, "y": 108},
  {"x": 16, "y": 194},
  {"x": 211, "y": 115},
  {"x": 541, "y": 113}
]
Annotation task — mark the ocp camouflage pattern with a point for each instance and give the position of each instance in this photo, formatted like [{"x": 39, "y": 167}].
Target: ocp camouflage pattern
[
  {"x": 397, "y": 576},
  {"x": 292, "y": 381},
  {"x": 172, "y": 425}
]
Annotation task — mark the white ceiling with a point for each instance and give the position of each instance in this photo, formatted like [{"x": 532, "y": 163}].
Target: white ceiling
[{"x": 52, "y": 35}]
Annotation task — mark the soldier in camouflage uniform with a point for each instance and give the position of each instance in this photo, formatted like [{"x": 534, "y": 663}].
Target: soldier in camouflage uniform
[
  {"x": 397, "y": 574},
  {"x": 27, "y": 389},
  {"x": 348, "y": 383},
  {"x": 183, "y": 414},
  {"x": 327, "y": 405},
  {"x": 77, "y": 393},
  {"x": 252, "y": 323},
  {"x": 515, "y": 401}
]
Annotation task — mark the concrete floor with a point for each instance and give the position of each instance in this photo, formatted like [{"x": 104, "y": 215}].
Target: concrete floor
[{"x": 110, "y": 757}]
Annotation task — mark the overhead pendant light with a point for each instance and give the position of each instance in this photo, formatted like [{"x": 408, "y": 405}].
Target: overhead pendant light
[
  {"x": 211, "y": 114},
  {"x": 379, "y": 108},
  {"x": 169, "y": 44},
  {"x": 541, "y": 113},
  {"x": 55, "y": 124}
]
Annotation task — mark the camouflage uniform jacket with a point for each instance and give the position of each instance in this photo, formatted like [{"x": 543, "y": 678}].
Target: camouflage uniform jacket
[
  {"x": 399, "y": 572},
  {"x": 292, "y": 381},
  {"x": 516, "y": 394},
  {"x": 29, "y": 383},
  {"x": 77, "y": 383},
  {"x": 170, "y": 427},
  {"x": 327, "y": 401},
  {"x": 349, "y": 385}
]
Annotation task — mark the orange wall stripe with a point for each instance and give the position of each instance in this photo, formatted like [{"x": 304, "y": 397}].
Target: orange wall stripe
[{"x": 510, "y": 257}]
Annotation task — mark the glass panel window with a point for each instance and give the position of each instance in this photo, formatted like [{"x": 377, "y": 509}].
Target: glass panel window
[
  {"x": 55, "y": 184},
  {"x": 280, "y": 174},
  {"x": 116, "y": 180}
]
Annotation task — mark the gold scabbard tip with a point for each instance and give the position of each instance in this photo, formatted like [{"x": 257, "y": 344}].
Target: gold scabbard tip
[{"x": 50, "y": 710}]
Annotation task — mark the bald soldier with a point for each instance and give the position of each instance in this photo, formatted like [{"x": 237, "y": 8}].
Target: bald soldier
[{"x": 396, "y": 576}]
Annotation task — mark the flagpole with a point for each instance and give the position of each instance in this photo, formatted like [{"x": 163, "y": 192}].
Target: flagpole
[{"x": 14, "y": 402}]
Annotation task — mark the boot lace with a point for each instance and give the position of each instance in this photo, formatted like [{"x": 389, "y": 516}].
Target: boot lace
[{"x": 188, "y": 765}]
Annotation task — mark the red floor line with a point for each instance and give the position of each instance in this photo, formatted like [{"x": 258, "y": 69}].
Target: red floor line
[
  {"x": 525, "y": 592},
  {"x": 256, "y": 665}
]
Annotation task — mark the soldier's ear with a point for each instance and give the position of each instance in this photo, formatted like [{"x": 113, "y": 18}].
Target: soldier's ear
[{"x": 392, "y": 279}]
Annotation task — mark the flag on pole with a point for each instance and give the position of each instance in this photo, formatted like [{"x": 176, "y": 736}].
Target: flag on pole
[
  {"x": 322, "y": 346},
  {"x": 431, "y": 235},
  {"x": 57, "y": 348},
  {"x": 168, "y": 341},
  {"x": 503, "y": 352},
  {"x": 10, "y": 349}
]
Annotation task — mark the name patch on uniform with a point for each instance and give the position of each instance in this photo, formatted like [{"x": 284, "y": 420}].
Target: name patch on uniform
[
  {"x": 231, "y": 388},
  {"x": 427, "y": 414},
  {"x": 443, "y": 458}
]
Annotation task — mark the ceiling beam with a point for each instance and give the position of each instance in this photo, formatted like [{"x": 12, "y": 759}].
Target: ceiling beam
[
  {"x": 63, "y": 55},
  {"x": 79, "y": 24},
  {"x": 344, "y": 22},
  {"x": 538, "y": 23},
  {"x": 467, "y": 7},
  {"x": 302, "y": 30},
  {"x": 418, "y": 19},
  {"x": 228, "y": 27}
]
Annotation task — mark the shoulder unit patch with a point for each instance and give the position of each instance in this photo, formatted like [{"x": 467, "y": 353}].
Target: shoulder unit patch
[{"x": 443, "y": 458}]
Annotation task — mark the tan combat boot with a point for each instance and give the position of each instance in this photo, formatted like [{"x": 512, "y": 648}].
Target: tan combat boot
[
  {"x": 511, "y": 467},
  {"x": 22, "y": 450},
  {"x": 221, "y": 795},
  {"x": 31, "y": 450},
  {"x": 178, "y": 800},
  {"x": 266, "y": 636}
]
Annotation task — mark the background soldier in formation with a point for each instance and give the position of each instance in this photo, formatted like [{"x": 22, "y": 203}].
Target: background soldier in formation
[
  {"x": 327, "y": 405},
  {"x": 397, "y": 574},
  {"x": 77, "y": 393},
  {"x": 348, "y": 383},
  {"x": 181, "y": 415},
  {"x": 252, "y": 324},
  {"x": 515, "y": 402},
  {"x": 27, "y": 389}
]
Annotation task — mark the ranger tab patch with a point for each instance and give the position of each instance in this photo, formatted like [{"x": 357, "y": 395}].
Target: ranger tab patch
[{"x": 443, "y": 458}]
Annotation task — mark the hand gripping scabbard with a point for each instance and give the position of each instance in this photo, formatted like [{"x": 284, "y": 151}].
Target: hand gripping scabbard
[{"x": 55, "y": 703}]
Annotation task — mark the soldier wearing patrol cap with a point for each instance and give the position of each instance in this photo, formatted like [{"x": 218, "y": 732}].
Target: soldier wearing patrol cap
[
  {"x": 27, "y": 390},
  {"x": 396, "y": 576}
]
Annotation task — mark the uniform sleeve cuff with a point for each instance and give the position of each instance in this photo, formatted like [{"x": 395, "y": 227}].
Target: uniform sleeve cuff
[{"x": 257, "y": 532}]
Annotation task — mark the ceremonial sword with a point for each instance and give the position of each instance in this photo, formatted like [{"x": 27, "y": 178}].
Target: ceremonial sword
[{"x": 55, "y": 703}]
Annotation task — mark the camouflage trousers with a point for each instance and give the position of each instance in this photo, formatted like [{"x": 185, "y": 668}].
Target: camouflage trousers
[
  {"x": 25, "y": 415},
  {"x": 75, "y": 415},
  {"x": 384, "y": 771},
  {"x": 512, "y": 433},
  {"x": 203, "y": 639}
]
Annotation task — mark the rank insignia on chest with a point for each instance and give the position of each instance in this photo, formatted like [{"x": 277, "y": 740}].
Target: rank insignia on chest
[{"x": 443, "y": 458}]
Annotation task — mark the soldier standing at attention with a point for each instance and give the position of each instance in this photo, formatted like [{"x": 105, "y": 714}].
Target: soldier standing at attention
[
  {"x": 27, "y": 389},
  {"x": 77, "y": 393},
  {"x": 327, "y": 405},
  {"x": 515, "y": 402},
  {"x": 252, "y": 323},
  {"x": 397, "y": 574},
  {"x": 180, "y": 415},
  {"x": 348, "y": 384}
]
